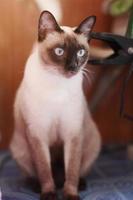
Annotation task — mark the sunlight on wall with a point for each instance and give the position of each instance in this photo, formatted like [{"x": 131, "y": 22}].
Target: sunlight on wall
[{"x": 52, "y": 6}]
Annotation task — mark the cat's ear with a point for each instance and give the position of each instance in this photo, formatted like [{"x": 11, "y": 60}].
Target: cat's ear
[
  {"x": 86, "y": 26},
  {"x": 47, "y": 23}
]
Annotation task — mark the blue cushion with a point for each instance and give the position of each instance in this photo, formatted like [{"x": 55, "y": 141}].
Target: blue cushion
[{"x": 111, "y": 178}]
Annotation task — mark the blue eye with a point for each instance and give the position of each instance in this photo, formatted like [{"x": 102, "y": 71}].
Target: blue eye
[
  {"x": 59, "y": 51},
  {"x": 81, "y": 53}
]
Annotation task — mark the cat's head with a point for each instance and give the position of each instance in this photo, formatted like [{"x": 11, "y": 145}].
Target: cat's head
[{"x": 64, "y": 49}]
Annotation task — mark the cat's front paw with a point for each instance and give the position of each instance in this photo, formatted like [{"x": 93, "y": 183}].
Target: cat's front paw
[
  {"x": 71, "y": 197},
  {"x": 48, "y": 196}
]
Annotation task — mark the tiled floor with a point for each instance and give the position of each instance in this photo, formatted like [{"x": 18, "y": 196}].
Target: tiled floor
[{"x": 111, "y": 178}]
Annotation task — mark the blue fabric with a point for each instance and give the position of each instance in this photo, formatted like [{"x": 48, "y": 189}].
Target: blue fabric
[{"x": 111, "y": 178}]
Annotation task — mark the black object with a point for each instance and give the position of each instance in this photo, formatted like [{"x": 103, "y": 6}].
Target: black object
[
  {"x": 122, "y": 47},
  {"x": 122, "y": 103},
  {"x": 122, "y": 55}
]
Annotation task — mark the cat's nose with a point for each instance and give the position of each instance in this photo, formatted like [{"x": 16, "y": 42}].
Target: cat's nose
[{"x": 73, "y": 67}]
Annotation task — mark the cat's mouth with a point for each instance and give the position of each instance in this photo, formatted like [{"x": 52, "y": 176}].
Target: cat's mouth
[{"x": 71, "y": 73}]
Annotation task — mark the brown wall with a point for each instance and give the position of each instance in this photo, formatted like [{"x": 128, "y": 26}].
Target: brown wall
[
  {"x": 18, "y": 30},
  {"x": 18, "y": 21},
  {"x": 76, "y": 10}
]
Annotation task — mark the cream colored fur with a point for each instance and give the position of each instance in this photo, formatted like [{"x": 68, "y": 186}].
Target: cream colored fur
[{"x": 52, "y": 108}]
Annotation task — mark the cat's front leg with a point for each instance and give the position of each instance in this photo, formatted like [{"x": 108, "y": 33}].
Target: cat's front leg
[
  {"x": 42, "y": 162},
  {"x": 73, "y": 152}
]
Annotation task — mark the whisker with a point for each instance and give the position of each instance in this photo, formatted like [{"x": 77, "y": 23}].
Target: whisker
[
  {"x": 88, "y": 73},
  {"x": 87, "y": 78}
]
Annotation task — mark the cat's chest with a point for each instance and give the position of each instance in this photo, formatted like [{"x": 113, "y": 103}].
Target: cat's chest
[
  {"x": 44, "y": 100},
  {"x": 52, "y": 105},
  {"x": 47, "y": 101},
  {"x": 54, "y": 110},
  {"x": 52, "y": 91}
]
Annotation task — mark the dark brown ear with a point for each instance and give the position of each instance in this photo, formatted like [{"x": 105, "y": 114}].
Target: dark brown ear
[
  {"x": 47, "y": 23},
  {"x": 86, "y": 26}
]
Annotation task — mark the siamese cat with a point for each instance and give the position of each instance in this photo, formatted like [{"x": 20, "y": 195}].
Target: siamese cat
[{"x": 52, "y": 120}]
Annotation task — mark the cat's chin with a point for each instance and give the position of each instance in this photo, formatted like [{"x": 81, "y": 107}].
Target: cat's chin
[{"x": 71, "y": 74}]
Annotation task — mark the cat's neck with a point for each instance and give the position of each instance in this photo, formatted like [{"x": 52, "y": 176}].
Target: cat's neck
[{"x": 37, "y": 72}]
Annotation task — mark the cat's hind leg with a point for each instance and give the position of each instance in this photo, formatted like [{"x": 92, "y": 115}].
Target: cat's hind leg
[
  {"x": 92, "y": 146},
  {"x": 19, "y": 147}
]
